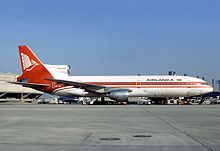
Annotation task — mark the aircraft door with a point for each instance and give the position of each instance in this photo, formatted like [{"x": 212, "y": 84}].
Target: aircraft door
[{"x": 138, "y": 83}]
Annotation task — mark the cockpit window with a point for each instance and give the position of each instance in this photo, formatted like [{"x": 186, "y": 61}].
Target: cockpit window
[{"x": 204, "y": 83}]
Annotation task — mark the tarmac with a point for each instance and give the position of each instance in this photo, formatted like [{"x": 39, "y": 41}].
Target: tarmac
[{"x": 96, "y": 128}]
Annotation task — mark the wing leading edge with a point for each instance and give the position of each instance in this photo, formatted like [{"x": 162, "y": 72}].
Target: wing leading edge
[{"x": 88, "y": 87}]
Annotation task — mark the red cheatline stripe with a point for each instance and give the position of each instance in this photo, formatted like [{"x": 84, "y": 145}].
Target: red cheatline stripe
[
  {"x": 134, "y": 85},
  {"x": 145, "y": 83},
  {"x": 62, "y": 88},
  {"x": 142, "y": 86}
]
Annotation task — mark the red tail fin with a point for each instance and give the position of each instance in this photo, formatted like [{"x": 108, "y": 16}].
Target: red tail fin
[
  {"x": 33, "y": 70},
  {"x": 28, "y": 59}
]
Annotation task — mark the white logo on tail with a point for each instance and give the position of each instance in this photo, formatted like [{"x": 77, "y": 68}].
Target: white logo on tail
[{"x": 28, "y": 64}]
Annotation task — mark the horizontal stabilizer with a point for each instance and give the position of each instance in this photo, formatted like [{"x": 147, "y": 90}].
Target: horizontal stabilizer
[{"x": 31, "y": 85}]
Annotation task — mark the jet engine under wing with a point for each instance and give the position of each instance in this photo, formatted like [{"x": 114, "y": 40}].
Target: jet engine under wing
[{"x": 86, "y": 86}]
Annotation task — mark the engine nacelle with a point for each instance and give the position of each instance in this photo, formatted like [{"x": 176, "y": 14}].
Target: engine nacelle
[{"x": 119, "y": 95}]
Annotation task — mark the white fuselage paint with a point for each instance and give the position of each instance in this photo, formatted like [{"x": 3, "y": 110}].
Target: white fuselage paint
[{"x": 142, "y": 86}]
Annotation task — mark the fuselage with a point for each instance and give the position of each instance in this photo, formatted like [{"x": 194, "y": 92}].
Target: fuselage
[
  {"x": 55, "y": 79},
  {"x": 141, "y": 86}
]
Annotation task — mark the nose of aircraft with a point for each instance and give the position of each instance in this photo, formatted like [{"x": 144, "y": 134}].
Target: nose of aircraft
[{"x": 209, "y": 89}]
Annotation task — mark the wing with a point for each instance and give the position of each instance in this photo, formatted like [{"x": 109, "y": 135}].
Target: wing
[{"x": 88, "y": 87}]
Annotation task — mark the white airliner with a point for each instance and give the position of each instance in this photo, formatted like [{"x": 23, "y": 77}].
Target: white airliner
[{"x": 55, "y": 79}]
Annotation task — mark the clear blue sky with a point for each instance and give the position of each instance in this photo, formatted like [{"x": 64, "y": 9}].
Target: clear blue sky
[{"x": 114, "y": 37}]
